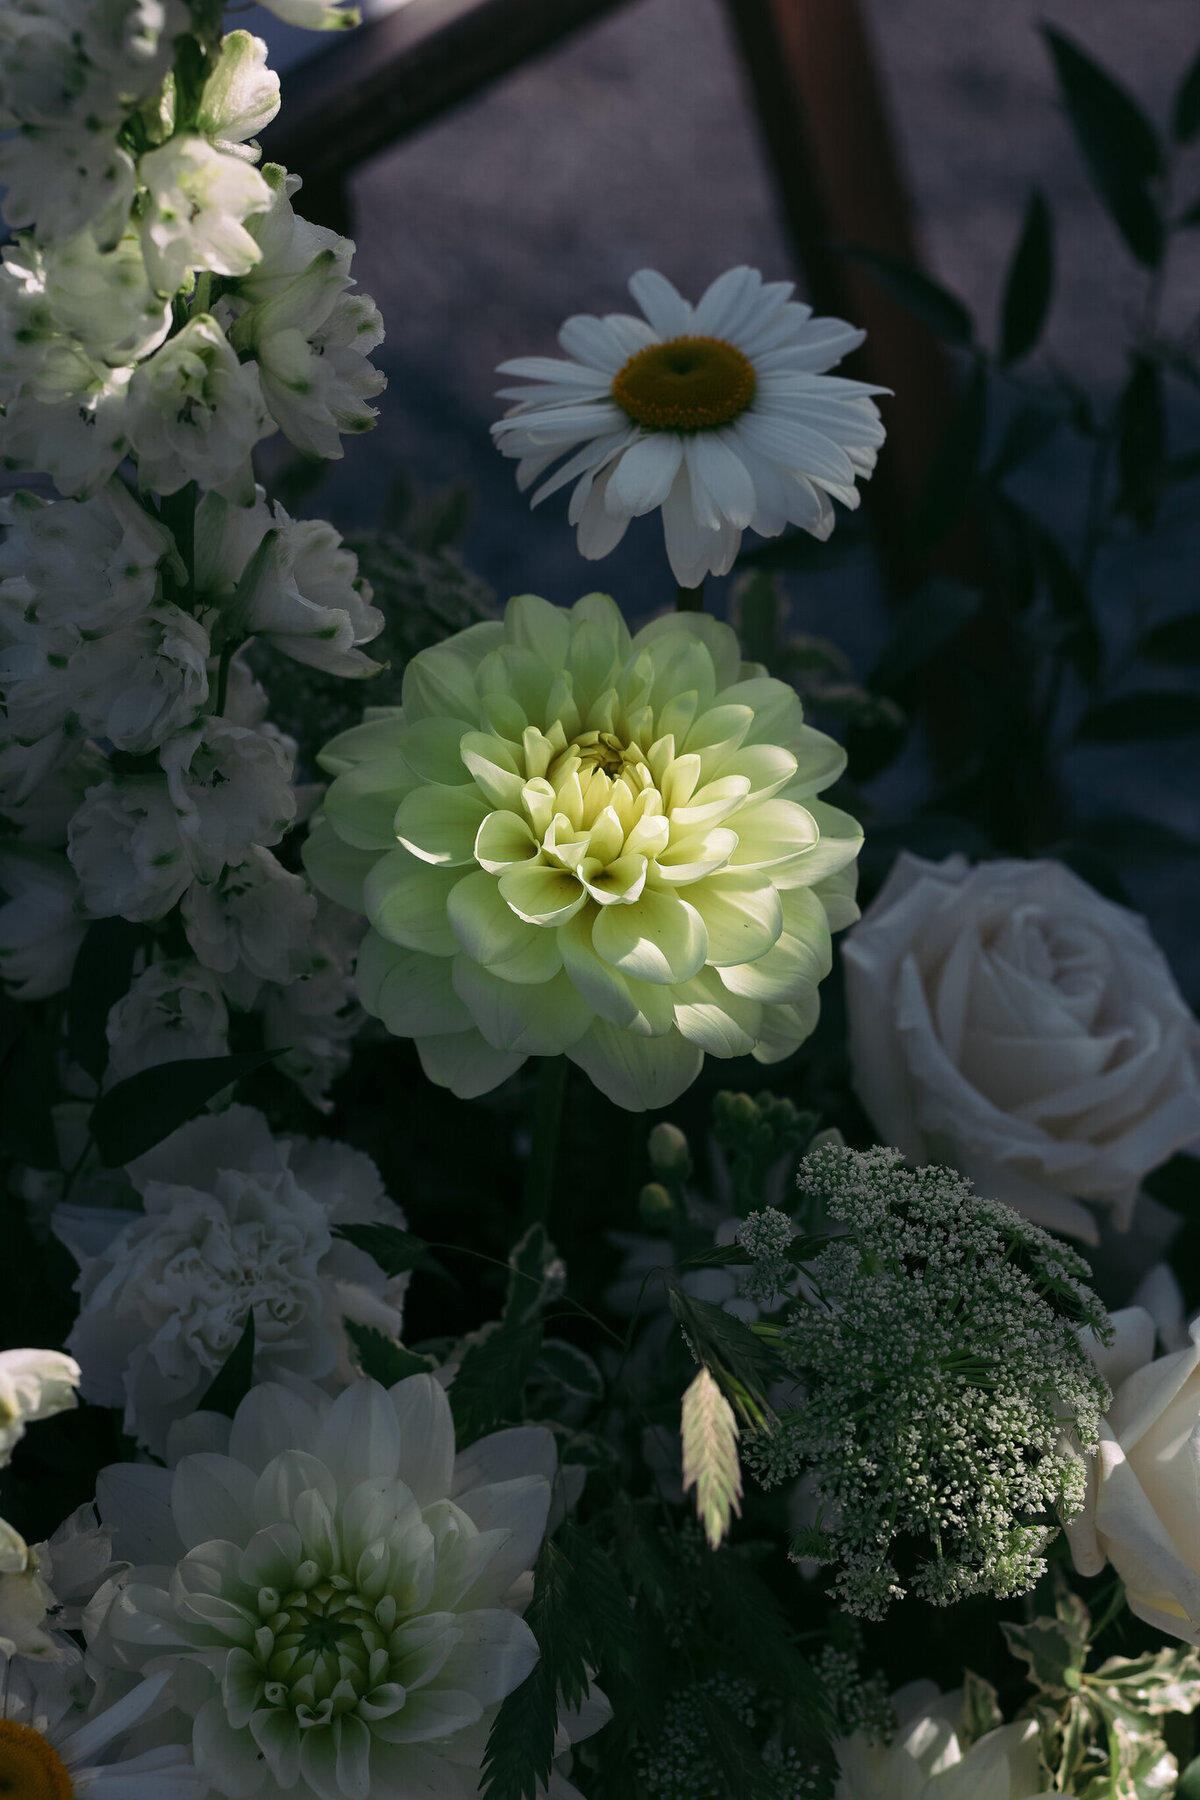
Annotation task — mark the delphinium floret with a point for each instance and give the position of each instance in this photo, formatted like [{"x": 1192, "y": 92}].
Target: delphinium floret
[{"x": 940, "y": 1351}]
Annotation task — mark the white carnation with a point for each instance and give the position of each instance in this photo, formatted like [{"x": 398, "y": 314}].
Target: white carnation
[
  {"x": 198, "y": 199},
  {"x": 251, "y": 925},
  {"x": 231, "y": 787},
  {"x": 233, "y": 1221},
  {"x": 173, "y": 1010},
  {"x": 40, "y": 927},
  {"x": 125, "y": 846},
  {"x": 196, "y": 411}
]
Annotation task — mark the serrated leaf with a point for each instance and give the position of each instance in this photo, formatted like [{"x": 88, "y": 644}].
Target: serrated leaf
[
  {"x": 1185, "y": 113},
  {"x": 384, "y": 1359},
  {"x": 710, "y": 1458},
  {"x": 980, "y": 1709},
  {"x": 727, "y": 1347},
  {"x": 394, "y": 1250},
  {"x": 1140, "y": 719},
  {"x": 1030, "y": 283},
  {"x": 1117, "y": 141},
  {"x": 934, "y": 616},
  {"x": 737, "y": 1754},
  {"x": 147, "y": 1107},
  {"x": 1051, "y": 1650},
  {"x": 102, "y": 973},
  {"x": 486, "y": 1390},
  {"x": 922, "y": 296},
  {"x": 571, "y": 1369},
  {"x": 235, "y": 1379},
  {"x": 1175, "y": 641},
  {"x": 718, "y": 1256}
]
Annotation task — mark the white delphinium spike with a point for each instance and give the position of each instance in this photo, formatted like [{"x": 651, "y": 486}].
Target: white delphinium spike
[{"x": 173, "y": 1010}]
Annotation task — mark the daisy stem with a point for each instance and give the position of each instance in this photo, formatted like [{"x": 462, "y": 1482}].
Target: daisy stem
[
  {"x": 689, "y": 599},
  {"x": 543, "y": 1154}
]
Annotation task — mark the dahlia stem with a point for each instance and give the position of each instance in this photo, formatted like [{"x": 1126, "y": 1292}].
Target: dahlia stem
[
  {"x": 543, "y": 1154},
  {"x": 689, "y": 599}
]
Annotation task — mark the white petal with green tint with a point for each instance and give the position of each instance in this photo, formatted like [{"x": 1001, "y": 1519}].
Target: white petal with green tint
[
  {"x": 361, "y": 804},
  {"x": 410, "y": 991},
  {"x": 504, "y": 839},
  {"x": 406, "y": 902},
  {"x": 466, "y": 1063},
  {"x": 635, "y": 1072},
  {"x": 440, "y": 824},
  {"x": 540, "y": 894},
  {"x": 490, "y": 932},
  {"x": 721, "y": 1023},
  {"x": 531, "y": 1020},
  {"x": 742, "y": 915},
  {"x": 660, "y": 938}
]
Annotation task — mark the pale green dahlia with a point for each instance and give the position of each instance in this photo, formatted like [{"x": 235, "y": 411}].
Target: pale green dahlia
[{"x": 568, "y": 839}]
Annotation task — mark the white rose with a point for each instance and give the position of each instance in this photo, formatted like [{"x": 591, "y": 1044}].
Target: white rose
[
  {"x": 1008, "y": 1020},
  {"x": 125, "y": 846},
  {"x": 173, "y": 1010},
  {"x": 233, "y": 1219},
  {"x": 196, "y": 412},
  {"x": 40, "y": 928},
  {"x": 251, "y": 925},
  {"x": 198, "y": 199},
  {"x": 231, "y": 787},
  {"x": 1142, "y": 1511}
]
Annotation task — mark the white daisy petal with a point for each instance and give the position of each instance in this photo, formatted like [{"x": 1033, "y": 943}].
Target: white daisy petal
[
  {"x": 594, "y": 342},
  {"x": 598, "y": 532},
  {"x": 594, "y": 455},
  {"x": 728, "y": 303},
  {"x": 642, "y": 478},
  {"x": 633, "y": 334},
  {"x": 662, "y": 303},
  {"x": 796, "y": 446},
  {"x": 688, "y": 541},
  {"x": 549, "y": 368},
  {"x": 714, "y": 462}
]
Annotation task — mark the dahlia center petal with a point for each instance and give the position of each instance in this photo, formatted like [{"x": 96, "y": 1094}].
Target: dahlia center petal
[{"x": 685, "y": 384}]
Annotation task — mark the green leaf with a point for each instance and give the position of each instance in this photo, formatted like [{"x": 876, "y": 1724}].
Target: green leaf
[
  {"x": 28, "y": 1082},
  {"x": 486, "y": 1390},
  {"x": 922, "y": 296},
  {"x": 1126, "y": 840},
  {"x": 1070, "y": 604},
  {"x": 1177, "y": 1184},
  {"x": 737, "y": 1755},
  {"x": 1188, "y": 1785},
  {"x": 563, "y": 1366},
  {"x": 710, "y": 1457},
  {"x": 384, "y": 1359},
  {"x": 102, "y": 973},
  {"x": 718, "y": 1256},
  {"x": 1140, "y": 719},
  {"x": 1029, "y": 430},
  {"x": 1185, "y": 113},
  {"x": 933, "y": 618},
  {"x": 1141, "y": 442},
  {"x": 981, "y": 1708},
  {"x": 141, "y": 1111},
  {"x": 950, "y": 480},
  {"x": 230, "y": 1387},
  {"x": 394, "y": 1250},
  {"x": 1118, "y": 144},
  {"x": 1052, "y": 1651},
  {"x": 728, "y": 1348},
  {"x": 1175, "y": 641},
  {"x": 1030, "y": 283},
  {"x": 533, "y": 1276}
]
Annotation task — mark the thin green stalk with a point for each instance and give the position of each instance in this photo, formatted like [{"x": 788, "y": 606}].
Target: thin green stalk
[
  {"x": 543, "y": 1155},
  {"x": 689, "y": 599}
]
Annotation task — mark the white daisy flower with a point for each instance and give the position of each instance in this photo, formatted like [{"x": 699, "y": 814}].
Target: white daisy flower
[
  {"x": 722, "y": 414},
  {"x": 52, "y": 1749}
]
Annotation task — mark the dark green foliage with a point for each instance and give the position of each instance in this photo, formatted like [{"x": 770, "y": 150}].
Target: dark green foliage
[
  {"x": 1118, "y": 144},
  {"x": 930, "y": 621},
  {"x": 486, "y": 1391},
  {"x": 1030, "y": 283},
  {"x": 141, "y": 1111},
  {"x": 102, "y": 973},
  {"x": 395, "y": 1250},
  {"x": 1141, "y": 443},
  {"x": 235, "y": 1379},
  {"x": 953, "y": 475},
  {"x": 383, "y": 1359},
  {"x": 1140, "y": 718},
  {"x": 922, "y": 296}
]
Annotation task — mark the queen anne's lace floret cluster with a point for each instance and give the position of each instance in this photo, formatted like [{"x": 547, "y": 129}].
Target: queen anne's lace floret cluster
[{"x": 941, "y": 1364}]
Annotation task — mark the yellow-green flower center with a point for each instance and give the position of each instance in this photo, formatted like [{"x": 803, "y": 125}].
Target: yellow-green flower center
[
  {"x": 686, "y": 384},
  {"x": 30, "y": 1768}
]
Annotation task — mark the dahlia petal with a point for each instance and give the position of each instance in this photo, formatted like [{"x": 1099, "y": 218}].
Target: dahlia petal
[
  {"x": 492, "y": 765},
  {"x": 489, "y": 931},
  {"x": 714, "y": 464},
  {"x": 800, "y": 958},
  {"x": 519, "y": 1507},
  {"x": 433, "y": 1712},
  {"x": 836, "y": 894},
  {"x": 662, "y": 303},
  {"x": 642, "y": 476},
  {"x": 504, "y": 840},
  {"x": 361, "y": 804},
  {"x": 637, "y": 1073},
  {"x": 228, "y": 1759},
  {"x": 336, "y": 868},
  {"x": 533, "y": 624},
  {"x": 465, "y": 1062},
  {"x": 377, "y": 736},
  {"x": 503, "y": 1456},
  {"x": 721, "y": 1023},
  {"x": 241, "y": 1688},
  {"x": 277, "y": 1734},
  {"x": 270, "y": 1557},
  {"x": 602, "y": 986},
  {"x": 720, "y": 641},
  {"x": 427, "y": 1436},
  {"x": 409, "y": 990},
  {"x": 289, "y": 1475},
  {"x": 439, "y": 824},
  {"x": 318, "y": 1761},
  {"x": 784, "y": 1028},
  {"x": 772, "y": 834},
  {"x": 619, "y": 883},
  {"x": 433, "y": 750},
  {"x": 839, "y": 843},
  {"x": 542, "y": 895},
  {"x": 742, "y": 915},
  {"x": 439, "y": 682},
  {"x": 710, "y": 804},
  {"x": 532, "y": 1019},
  {"x": 494, "y": 1655},
  {"x": 693, "y": 855},
  {"x": 767, "y": 767},
  {"x": 660, "y": 938},
  {"x": 135, "y": 1501},
  {"x": 406, "y": 902},
  {"x": 212, "y": 1497},
  {"x": 359, "y": 1437},
  {"x": 593, "y": 342},
  {"x": 272, "y": 1418}
]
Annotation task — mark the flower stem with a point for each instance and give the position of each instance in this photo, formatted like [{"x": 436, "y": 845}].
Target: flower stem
[
  {"x": 543, "y": 1155},
  {"x": 689, "y": 599}
]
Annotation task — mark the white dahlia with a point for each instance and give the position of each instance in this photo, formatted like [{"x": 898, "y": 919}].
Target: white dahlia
[
  {"x": 335, "y": 1593},
  {"x": 722, "y": 414},
  {"x": 568, "y": 839}
]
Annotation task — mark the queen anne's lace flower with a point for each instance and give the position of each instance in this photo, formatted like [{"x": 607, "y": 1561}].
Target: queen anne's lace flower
[
  {"x": 568, "y": 839},
  {"x": 336, "y": 1594},
  {"x": 722, "y": 414},
  {"x": 233, "y": 1220}
]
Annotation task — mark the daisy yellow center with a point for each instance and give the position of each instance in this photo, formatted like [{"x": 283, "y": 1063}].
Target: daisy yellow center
[
  {"x": 686, "y": 384},
  {"x": 30, "y": 1768}
]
